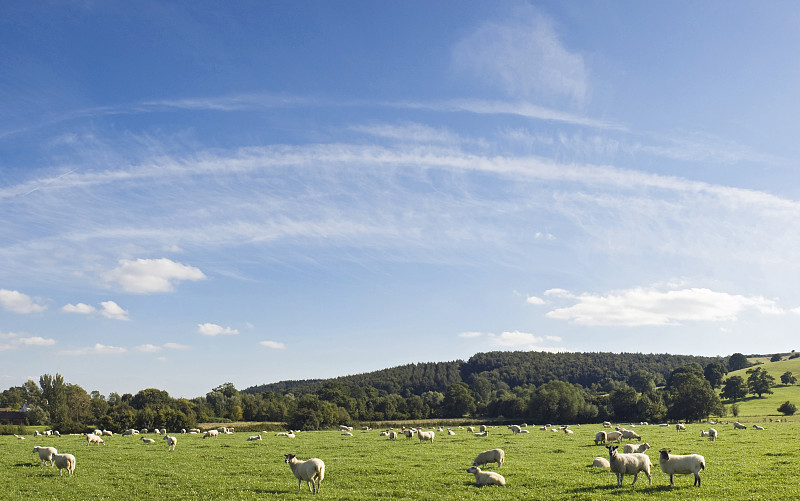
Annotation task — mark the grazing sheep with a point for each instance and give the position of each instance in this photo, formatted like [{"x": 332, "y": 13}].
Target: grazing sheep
[
  {"x": 629, "y": 448},
  {"x": 311, "y": 470},
  {"x": 450, "y": 432},
  {"x": 681, "y": 465},
  {"x": 600, "y": 437},
  {"x": 426, "y": 436},
  {"x": 614, "y": 435},
  {"x": 45, "y": 454},
  {"x": 739, "y": 426},
  {"x": 408, "y": 433},
  {"x": 148, "y": 440},
  {"x": 712, "y": 434},
  {"x": 211, "y": 433},
  {"x": 392, "y": 435},
  {"x": 600, "y": 463},
  {"x": 606, "y": 424},
  {"x": 253, "y": 437},
  {"x": 483, "y": 427},
  {"x": 130, "y": 431},
  {"x": 171, "y": 441},
  {"x": 471, "y": 429},
  {"x": 680, "y": 427},
  {"x": 64, "y": 462},
  {"x": 630, "y": 435},
  {"x": 515, "y": 428},
  {"x": 486, "y": 477},
  {"x": 482, "y": 434},
  {"x": 703, "y": 433},
  {"x": 567, "y": 431},
  {"x": 107, "y": 433},
  {"x": 758, "y": 427},
  {"x": 632, "y": 464},
  {"x": 91, "y": 438},
  {"x": 491, "y": 456}
]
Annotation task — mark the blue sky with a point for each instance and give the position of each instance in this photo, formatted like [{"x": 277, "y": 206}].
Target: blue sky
[{"x": 195, "y": 193}]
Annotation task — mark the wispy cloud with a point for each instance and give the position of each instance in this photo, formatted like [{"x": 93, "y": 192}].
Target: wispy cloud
[
  {"x": 18, "y": 302},
  {"x": 650, "y": 307},
  {"x": 97, "y": 349},
  {"x": 208, "y": 329},
  {"x": 145, "y": 276},
  {"x": 274, "y": 345},
  {"x": 108, "y": 309},
  {"x": 12, "y": 341}
]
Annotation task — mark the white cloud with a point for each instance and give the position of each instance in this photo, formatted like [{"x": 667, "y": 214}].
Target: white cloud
[
  {"x": 97, "y": 349},
  {"x": 523, "y": 340},
  {"x": 176, "y": 346},
  {"x": 275, "y": 345},
  {"x": 12, "y": 341},
  {"x": 648, "y": 306},
  {"x": 534, "y": 300},
  {"x": 19, "y": 303},
  {"x": 149, "y": 348},
  {"x": 80, "y": 308},
  {"x": 215, "y": 330},
  {"x": 145, "y": 276},
  {"x": 470, "y": 335},
  {"x": 113, "y": 311},
  {"x": 524, "y": 56}
]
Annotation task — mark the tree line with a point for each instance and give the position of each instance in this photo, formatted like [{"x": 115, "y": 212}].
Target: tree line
[{"x": 516, "y": 386}]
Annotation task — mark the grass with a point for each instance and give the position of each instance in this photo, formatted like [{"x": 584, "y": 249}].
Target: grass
[
  {"x": 744, "y": 464},
  {"x": 765, "y": 408}
]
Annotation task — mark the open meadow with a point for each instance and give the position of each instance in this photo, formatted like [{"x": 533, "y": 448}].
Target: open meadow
[{"x": 741, "y": 464}]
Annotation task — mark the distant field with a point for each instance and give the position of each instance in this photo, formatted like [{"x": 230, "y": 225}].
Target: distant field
[
  {"x": 744, "y": 464},
  {"x": 765, "y": 409}
]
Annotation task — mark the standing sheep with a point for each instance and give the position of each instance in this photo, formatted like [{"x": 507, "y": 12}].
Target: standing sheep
[
  {"x": 426, "y": 436},
  {"x": 311, "y": 470},
  {"x": 64, "y": 461},
  {"x": 491, "y": 456},
  {"x": 486, "y": 477},
  {"x": 632, "y": 464},
  {"x": 614, "y": 435},
  {"x": 91, "y": 438},
  {"x": 45, "y": 454},
  {"x": 680, "y": 427},
  {"x": 600, "y": 437},
  {"x": 712, "y": 434},
  {"x": 171, "y": 442},
  {"x": 211, "y": 433},
  {"x": 681, "y": 465}
]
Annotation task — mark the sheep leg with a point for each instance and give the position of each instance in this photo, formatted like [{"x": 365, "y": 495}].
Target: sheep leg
[
  {"x": 697, "y": 480},
  {"x": 670, "y": 479},
  {"x": 635, "y": 478}
]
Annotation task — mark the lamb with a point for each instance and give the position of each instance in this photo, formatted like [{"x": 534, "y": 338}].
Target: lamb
[
  {"x": 606, "y": 424},
  {"x": 567, "y": 431},
  {"x": 311, "y": 470},
  {"x": 600, "y": 437},
  {"x": 703, "y": 433},
  {"x": 629, "y": 448},
  {"x": 681, "y": 465},
  {"x": 45, "y": 454},
  {"x": 171, "y": 441},
  {"x": 491, "y": 456},
  {"x": 107, "y": 433},
  {"x": 630, "y": 464},
  {"x": 614, "y": 435},
  {"x": 253, "y": 437},
  {"x": 739, "y": 426},
  {"x": 758, "y": 427},
  {"x": 148, "y": 440},
  {"x": 211, "y": 433},
  {"x": 712, "y": 434},
  {"x": 680, "y": 427},
  {"x": 600, "y": 463},
  {"x": 450, "y": 432},
  {"x": 486, "y": 477},
  {"x": 426, "y": 436},
  {"x": 91, "y": 438},
  {"x": 64, "y": 461}
]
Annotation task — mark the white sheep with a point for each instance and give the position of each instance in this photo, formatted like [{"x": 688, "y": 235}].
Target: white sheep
[
  {"x": 91, "y": 438},
  {"x": 426, "y": 436},
  {"x": 614, "y": 435},
  {"x": 392, "y": 435},
  {"x": 408, "y": 433},
  {"x": 148, "y": 440},
  {"x": 524, "y": 431},
  {"x": 681, "y": 465},
  {"x": 471, "y": 429},
  {"x": 606, "y": 424},
  {"x": 630, "y": 448},
  {"x": 758, "y": 427},
  {"x": 45, "y": 454},
  {"x": 483, "y": 427},
  {"x": 486, "y": 477},
  {"x": 482, "y": 434},
  {"x": 311, "y": 470},
  {"x": 107, "y": 433},
  {"x": 680, "y": 427},
  {"x": 491, "y": 456},
  {"x": 211, "y": 433},
  {"x": 450, "y": 432},
  {"x": 632, "y": 464},
  {"x": 171, "y": 442},
  {"x": 19, "y": 437},
  {"x": 253, "y": 437},
  {"x": 712, "y": 434},
  {"x": 601, "y": 463},
  {"x": 630, "y": 435},
  {"x": 567, "y": 431},
  {"x": 64, "y": 462},
  {"x": 600, "y": 437},
  {"x": 515, "y": 428},
  {"x": 739, "y": 426}
]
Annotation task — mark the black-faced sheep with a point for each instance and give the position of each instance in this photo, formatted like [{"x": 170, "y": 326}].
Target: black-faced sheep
[{"x": 681, "y": 465}]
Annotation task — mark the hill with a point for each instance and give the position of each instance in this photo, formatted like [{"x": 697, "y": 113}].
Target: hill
[
  {"x": 768, "y": 404},
  {"x": 511, "y": 368}
]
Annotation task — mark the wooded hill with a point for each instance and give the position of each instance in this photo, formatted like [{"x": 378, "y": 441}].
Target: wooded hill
[{"x": 502, "y": 369}]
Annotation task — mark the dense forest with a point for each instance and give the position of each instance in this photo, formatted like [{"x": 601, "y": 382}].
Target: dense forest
[{"x": 535, "y": 387}]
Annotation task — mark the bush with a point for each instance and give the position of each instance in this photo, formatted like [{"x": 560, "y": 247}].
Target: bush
[{"x": 787, "y": 408}]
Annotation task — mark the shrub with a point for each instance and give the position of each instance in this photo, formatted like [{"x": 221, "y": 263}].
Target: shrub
[{"x": 787, "y": 408}]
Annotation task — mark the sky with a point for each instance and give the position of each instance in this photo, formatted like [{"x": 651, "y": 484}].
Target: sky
[{"x": 195, "y": 192}]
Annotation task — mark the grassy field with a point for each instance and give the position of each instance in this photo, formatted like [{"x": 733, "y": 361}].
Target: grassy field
[
  {"x": 744, "y": 464},
  {"x": 765, "y": 409}
]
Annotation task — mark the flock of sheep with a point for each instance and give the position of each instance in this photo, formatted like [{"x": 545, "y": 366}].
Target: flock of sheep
[{"x": 631, "y": 461}]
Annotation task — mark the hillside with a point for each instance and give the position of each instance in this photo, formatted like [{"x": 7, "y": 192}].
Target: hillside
[
  {"x": 512, "y": 368},
  {"x": 769, "y": 403}
]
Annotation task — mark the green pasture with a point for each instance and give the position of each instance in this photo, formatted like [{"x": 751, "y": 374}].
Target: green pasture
[
  {"x": 742, "y": 464},
  {"x": 765, "y": 408}
]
